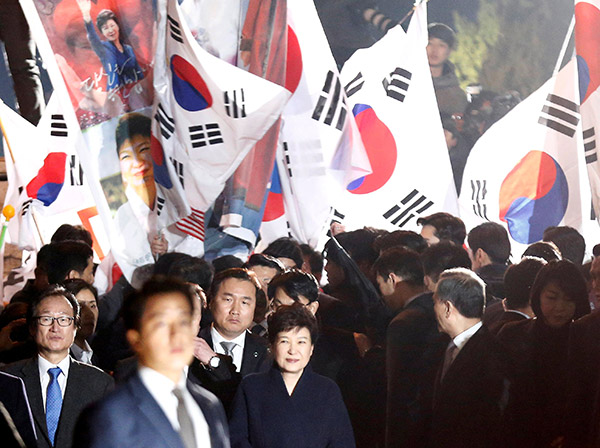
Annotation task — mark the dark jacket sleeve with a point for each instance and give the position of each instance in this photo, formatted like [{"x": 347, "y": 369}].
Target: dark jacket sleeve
[
  {"x": 342, "y": 435},
  {"x": 238, "y": 424}
]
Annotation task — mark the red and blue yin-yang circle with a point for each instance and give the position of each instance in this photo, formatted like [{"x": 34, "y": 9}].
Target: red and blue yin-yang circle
[
  {"x": 587, "y": 42},
  {"x": 48, "y": 182},
  {"x": 274, "y": 208},
  {"x": 189, "y": 89},
  {"x": 533, "y": 196},
  {"x": 381, "y": 150},
  {"x": 161, "y": 171}
]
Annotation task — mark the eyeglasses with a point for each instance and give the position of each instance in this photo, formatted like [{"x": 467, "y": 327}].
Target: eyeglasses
[{"x": 47, "y": 321}]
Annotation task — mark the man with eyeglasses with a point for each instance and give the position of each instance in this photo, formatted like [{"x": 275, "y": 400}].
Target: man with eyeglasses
[{"x": 58, "y": 387}]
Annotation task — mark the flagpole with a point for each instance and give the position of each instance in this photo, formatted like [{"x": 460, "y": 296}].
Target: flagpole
[{"x": 565, "y": 45}]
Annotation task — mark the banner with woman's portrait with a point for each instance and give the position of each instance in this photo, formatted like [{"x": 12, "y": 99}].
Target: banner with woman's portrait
[{"x": 104, "y": 49}]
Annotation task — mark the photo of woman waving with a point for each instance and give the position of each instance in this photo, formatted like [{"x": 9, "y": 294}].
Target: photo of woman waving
[{"x": 117, "y": 58}]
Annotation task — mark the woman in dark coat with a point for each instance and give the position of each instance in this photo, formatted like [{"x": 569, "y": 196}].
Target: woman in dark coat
[
  {"x": 539, "y": 349},
  {"x": 290, "y": 406}
]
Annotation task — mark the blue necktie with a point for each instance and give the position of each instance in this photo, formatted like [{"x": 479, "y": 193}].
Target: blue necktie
[{"x": 53, "y": 402}]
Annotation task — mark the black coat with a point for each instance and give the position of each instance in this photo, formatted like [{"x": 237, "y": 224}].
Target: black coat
[
  {"x": 583, "y": 384},
  {"x": 412, "y": 337},
  {"x": 224, "y": 380},
  {"x": 14, "y": 399},
  {"x": 469, "y": 404},
  {"x": 264, "y": 415},
  {"x": 85, "y": 384}
]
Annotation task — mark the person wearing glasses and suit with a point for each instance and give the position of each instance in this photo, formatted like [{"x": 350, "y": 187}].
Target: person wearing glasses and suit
[{"x": 57, "y": 386}]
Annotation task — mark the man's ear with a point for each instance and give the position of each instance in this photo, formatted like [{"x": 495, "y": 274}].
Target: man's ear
[
  {"x": 429, "y": 283},
  {"x": 313, "y": 307},
  {"x": 133, "y": 337},
  {"x": 395, "y": 279},
  {"x": 73, "y": 274}
]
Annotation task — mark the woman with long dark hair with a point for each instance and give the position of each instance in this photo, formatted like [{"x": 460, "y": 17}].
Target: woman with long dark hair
[{"x": 539, "y": 349}]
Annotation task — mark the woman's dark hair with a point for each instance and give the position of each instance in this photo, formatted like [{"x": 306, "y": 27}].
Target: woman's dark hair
[
  {"x": 569, "y": 279},
  {"x": 129, "y": 126},
  {"x": 266, "y": 261},
  {"x": 287, "y": 318},
  {"x": 104, "y": 16},
  {"x": 285, "y": 248},
  {"x": 295, "y": 283},
  {"x": 76, "y": 285}
]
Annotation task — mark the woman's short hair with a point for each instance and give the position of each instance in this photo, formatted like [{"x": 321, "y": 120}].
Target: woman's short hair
[
  {"x": 104, "y": 16},
  {"x": 76, "y": 285},
  {"x": 129, "y": 126},
  {"x": 569, "y": 279},
  {"x": 291, "y": 317}
]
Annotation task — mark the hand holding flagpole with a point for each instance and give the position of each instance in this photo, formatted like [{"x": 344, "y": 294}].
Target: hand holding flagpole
[{"x": 9, "y": 212}]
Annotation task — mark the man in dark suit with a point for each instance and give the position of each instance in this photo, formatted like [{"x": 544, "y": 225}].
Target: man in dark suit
[
  {"x": 14, "y": 399},
  {"x": 58, "y": 387},
  {"x": 518, "y": 280},
  {"x": 158, "y": 406},
  {"x": 410, "y": 336},
  {"x": 228, "y": 351},
  {"x": 471, "y": 388}
]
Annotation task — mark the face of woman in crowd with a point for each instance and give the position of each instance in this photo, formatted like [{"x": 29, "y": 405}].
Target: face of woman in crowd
[
  {"x": 136, "y": 161},
  {"x": 557, "y": 308},
  {"x": 110, "y": 30},
  {"x": 292, "y": 350}
]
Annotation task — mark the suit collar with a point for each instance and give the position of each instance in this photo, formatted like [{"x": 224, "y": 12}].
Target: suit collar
[{"x": 153, "y": 413}]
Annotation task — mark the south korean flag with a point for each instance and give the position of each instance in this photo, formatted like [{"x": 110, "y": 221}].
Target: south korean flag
[{"x": 216, "y": 111}]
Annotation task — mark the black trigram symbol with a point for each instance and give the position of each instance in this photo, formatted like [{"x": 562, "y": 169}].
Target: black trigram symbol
[
  {"x": 308, "y": 162},
  {"x": 165, "y": 122},
  {"x": 560, "y": 114},
  {"x": 396, "y": 85},
  {"x": 160, "y": 204},
  {"x": 193, "y": 224},
  {"x": 289, "y": 229},
  {"x": 25, "y": 206},
  {"x": 355, "y": 85},
  {"x": 175, "y": 29},
  {"x": 413, "y": 204},
  {"x": 58, "y": 126},
  {"x": 589, "y": 145},
  {"x": 208, "y": 134},
  {"x": 178, "y": 169},
  {"x": 337, "y": 216},
  {"x": 333, "y": 96},
  {"x": 235, "y": 103},
  {"x": 76, "y": 171},
  {"x": 479, "y": 192},
  {"x": 592, "y": 212}
]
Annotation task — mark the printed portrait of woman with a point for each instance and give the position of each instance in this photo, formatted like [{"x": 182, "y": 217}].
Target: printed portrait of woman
[{"x": 118, "y": 59}]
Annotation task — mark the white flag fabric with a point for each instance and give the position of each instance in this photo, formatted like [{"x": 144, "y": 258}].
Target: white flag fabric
[
  {"x": 208, "y": 113},
  {"x": 391, "y": 95},
  {"x": 321, "y": 150},
  {"x": 47, "y": 185},
  {"x": 587, "y": 44},
  {"x": 525, "y": 171}
]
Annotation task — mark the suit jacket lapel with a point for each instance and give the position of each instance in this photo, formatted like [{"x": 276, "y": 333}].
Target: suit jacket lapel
[
  {"x": 250, "y": 356},
  {"x": 153, "y": 413},
  {"x": 31, "y": 377},
  {"x": 216, "y": 429}
]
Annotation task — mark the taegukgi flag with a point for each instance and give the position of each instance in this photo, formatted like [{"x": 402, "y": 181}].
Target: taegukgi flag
[
  {"x": 390, "y": 93},
  {"x": 526, "y": 171}
]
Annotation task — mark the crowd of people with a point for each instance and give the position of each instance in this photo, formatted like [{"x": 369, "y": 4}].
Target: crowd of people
[{"x": 415, "y": 340}]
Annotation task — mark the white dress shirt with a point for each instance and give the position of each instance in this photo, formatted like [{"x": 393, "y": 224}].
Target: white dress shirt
[
  {"x": 161, "y": 389},
  {"x": 82, "y": 354},
  {"x": 238, "y": 350},
  {"x": 464, "y": 337},
  {"x": 44, "y": 365}
]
